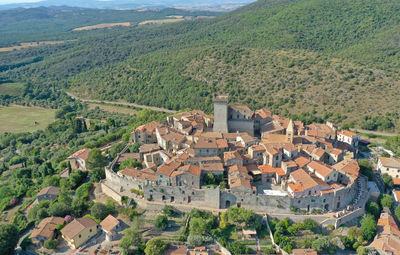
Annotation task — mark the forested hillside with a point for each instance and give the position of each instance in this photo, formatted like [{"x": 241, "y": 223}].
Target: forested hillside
[{"x": 313, "y": 59}]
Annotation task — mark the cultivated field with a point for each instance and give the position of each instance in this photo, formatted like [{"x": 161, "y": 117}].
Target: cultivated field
[
  {"x": 24, "y": 119},
  {"x": 104, "y": 25},
  {"x": 113, "y": 108},
  {"x": 159, "y": 21},
  {"x": 12, "y": 89},
  {"x": 28, "y": 45}
]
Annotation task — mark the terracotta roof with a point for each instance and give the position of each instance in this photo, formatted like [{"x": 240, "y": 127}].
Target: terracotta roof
[
  {"x": 232, "y": 155},
  {"x": 301, "y": 161},
  {"x": 290, "y": 164},
  {"x": 263, "y": 113},
  {"x": 149, "y": 128},
  {"x": 320, "y": 168},
  {"x": 247, "y": 138},
  {"x": 396, "y": 181},
  {"x": 83, "y": 154},
  {"x": 387, "y": 238},
  {"x": 215, "y": 135},
  {"x": 77, "y": 226},
  {"x": 49, "y": 191},
  {"x": 347, "y": 133},
  {"x": 168, "y": 168},
  {"x": 269, "y": 169},
  {"x": 271, "y": 150},
  {"x": 176, "y": 250},
  {"x": 390, "y": 162},
  {"x": 46, "y": 227},
  {"x": 211, "y": 167},
  {"x": 222, "y": 143},
  {"x": 109, "y": 223},
  {"x": 145, "y": 174},
  {"x": 257, "y": 147},
  {"x": 349, "y": 167},
  {"x": 320, "y": 130},
  {"x": 174, "y": 137},
  {"x": 206, "y": 143},
  {"x": 308, "y": 251},
  {"x": 241, "y": 182},
  {"x": 192, "y": 169},
  {"x": 396, "y": 194},
  {"x": 146, "y": 148},
  {"x": 306, "y": 181}
]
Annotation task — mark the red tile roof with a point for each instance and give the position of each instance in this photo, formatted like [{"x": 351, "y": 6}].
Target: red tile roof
[{"x": 83, "y": 154}]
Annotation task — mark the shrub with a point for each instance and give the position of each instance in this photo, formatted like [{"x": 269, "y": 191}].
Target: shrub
[
  {"x": 310, "y": 224},
  {"x": 161, "y": 222},
  {"x": 197, "y": 240},
  {"x": 50, "y": 244}
]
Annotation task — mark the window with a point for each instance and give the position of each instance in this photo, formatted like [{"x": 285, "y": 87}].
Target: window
[
  {"x": 90, "y": 230},
  {"x": 80, "y": 236},
  {"x": 313, "y": 200}
]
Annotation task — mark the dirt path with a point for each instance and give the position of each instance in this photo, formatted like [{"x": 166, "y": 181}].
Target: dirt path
[
  {"x": 372, "y": 132},
  {"x": 121, "y": 103}
]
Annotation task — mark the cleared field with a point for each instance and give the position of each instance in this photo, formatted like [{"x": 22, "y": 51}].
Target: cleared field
[
  {"x": 12, "y": 89},
  {"x": 175, "y": 16},
  {"x": 159, "y": 21},
  {"x": 104, "y": 25},
  {"x": 24, "y": 119},
  {"x": 28, "y": 45},
  {"x": 113, "y": 108}
]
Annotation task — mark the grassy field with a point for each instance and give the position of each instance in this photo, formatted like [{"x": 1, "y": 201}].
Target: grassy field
[
  {"x": 113, "y": 108},
  {"x": 12, "y": 89},
  {"x": 28, "y": 45},
  {"x": 159, "y": 21},
  {"x": 22, "y": 119},
  {"x": 105, "y": 25}
]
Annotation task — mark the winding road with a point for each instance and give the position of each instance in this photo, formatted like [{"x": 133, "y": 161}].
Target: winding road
[{"x": 158, "y": 109}]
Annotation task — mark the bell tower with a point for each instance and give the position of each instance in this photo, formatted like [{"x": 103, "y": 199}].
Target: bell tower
[{"x": 290, "y": 132}]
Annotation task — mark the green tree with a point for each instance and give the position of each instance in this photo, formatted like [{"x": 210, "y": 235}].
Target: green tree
[
  {"x": 386, "y": 201},
  {"x": 161, "y": 222},
  {"x": 397, "y": 212},
  {"x": 132, "y": 238},
  {"x": 79, "y": 207},
  {"x": 366, "y": 169},
  {"x": 198, "y": 226},
  {"x": 116, "y": 148},
  {"x": 361, "y": 250},
  {"x": 310, "y": 224},
  {"x": 128, "y": 163},
  {"x": 388, "y": 181},
  {"x": 59, "y": 209},
  {"x": 155, "y": 246},
  {"x": 97, "y": 174},
  {"x": 100, "y": 211},
  {"x": 368, "y": 226},
  {"x": 320, "y": 244},
  {"x": 50, "y": 244},
  {"x": 373, "y": 208},
  {"x": 8, "y": 238},
  {"x": 95, "y": 159}
]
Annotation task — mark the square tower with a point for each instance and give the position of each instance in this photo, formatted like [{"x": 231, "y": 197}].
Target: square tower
[{"x": 221, "y": 114}]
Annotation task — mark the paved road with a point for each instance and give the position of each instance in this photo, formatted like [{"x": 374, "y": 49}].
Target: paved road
[
  {"x": 372, "y": 132},
  {"x": 121, "y": 103}
]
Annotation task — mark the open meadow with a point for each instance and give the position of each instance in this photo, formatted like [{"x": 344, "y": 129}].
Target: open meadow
[{"x": 24, "y": 119}]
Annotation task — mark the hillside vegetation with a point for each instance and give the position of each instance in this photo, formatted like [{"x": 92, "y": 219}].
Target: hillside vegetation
[{"x": 317, "y": 59}]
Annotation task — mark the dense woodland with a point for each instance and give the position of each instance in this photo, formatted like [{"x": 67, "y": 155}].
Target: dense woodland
[{"x": 311, "y": 59}]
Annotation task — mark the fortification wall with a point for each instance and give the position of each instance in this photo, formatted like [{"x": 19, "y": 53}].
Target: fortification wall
[
  {"x": 255, "y": 202},
  {"x": 184, "y": 195},
  {"x": 333, "y": 201}
]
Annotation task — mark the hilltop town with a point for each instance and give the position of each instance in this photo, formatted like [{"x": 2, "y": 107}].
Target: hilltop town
[{"x": 273, "y": 184}]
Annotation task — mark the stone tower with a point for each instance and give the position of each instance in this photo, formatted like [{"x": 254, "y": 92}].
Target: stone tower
[
  {"x": 221, "y": 114},
  {"x": 290, "y": 132}
]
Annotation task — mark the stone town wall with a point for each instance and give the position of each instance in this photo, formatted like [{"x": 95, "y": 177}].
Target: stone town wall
[
  {"x": 255, "y": 202},
  {"x": 333, "y": 201},
  {"x": 349, "y": 217},
  {"x": 183, "y": 195},
  {"x": 221, "y": 199},
  {"x": 111, "y": 192}
]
